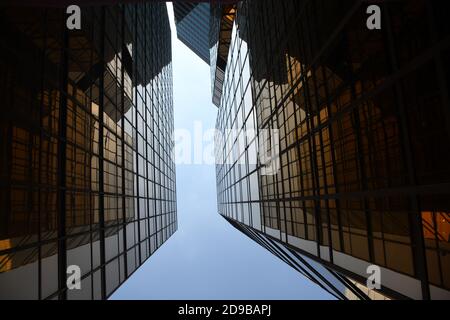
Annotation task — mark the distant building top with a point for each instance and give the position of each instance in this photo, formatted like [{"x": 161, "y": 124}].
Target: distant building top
[{"x": 192, "y": 21}]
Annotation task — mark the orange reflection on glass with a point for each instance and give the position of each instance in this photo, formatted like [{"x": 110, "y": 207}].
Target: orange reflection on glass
[
  {"x": 436, "y": 226},
  {"x": 5, "y": 261}
]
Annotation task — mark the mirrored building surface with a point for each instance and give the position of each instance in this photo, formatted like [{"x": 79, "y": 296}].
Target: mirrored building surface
[
  {"x": 87, "y": 177},
  {"x": 335, "y": 139},
  {"x": 192, "y": 21}
]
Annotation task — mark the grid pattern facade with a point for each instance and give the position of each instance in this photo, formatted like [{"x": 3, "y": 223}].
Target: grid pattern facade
[
  {"x": 363, "y": 118},
  {"x": 334, "y": 283},
  {"x": 87, "y": 176},
  {"x": 192, "y": 22}
]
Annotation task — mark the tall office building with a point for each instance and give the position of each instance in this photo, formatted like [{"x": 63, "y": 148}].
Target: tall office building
[
  {"x": 192, "y": 22},
  {"x": 87, "y": 177},
  {"x": 335, "y": 139}
]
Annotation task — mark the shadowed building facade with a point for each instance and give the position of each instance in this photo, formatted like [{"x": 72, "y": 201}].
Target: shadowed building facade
[
  {"x": 359, "y": 123},
  {"x": 87, "y": 176},
  {"x": 192, "y": 22}
]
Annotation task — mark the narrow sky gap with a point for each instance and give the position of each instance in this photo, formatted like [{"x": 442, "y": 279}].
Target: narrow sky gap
[{"x": 207, "y": 258}]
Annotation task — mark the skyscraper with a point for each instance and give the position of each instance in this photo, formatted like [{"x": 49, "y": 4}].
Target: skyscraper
[
  {"x": 334, "y": 139},
  {"x": 87, "y": 177},
  {"x": 192, "y": 22}
]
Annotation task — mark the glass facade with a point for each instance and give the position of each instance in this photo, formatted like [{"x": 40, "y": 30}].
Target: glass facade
[
  {"x": 359, "y": 121},
  {"x": 192, "y": 22},
  {"x": 87, "y": 175},
  {"x": 337, "y": 285}
]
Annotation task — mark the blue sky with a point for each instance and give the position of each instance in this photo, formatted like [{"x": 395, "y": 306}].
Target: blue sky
[{"x": 207, "y": 258}]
